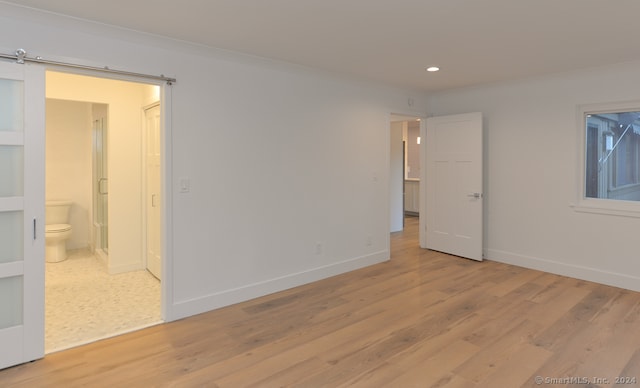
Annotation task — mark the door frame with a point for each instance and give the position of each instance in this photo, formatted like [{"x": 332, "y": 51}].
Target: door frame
[
  {"x": 422, "y": 220},
  {"x": 421, "y": 187},
  {"x": 167, "y": 312},
  {"x": 422, "y": 217}
]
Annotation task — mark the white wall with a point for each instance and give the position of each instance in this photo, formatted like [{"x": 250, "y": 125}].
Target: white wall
[
  {"x": 315, "y": 165},
  {"x": 68, "y": 163},
  {"x": 396, "y": 178},
  {"x": 125, "y": 101},
  {"x": 531, "y": 148},
  {"x": 413, "y": 150}
]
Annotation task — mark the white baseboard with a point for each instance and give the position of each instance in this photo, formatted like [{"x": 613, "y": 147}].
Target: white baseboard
[
  {"x": 571, "y": 270},
  {"x": 186, "y": 308}
]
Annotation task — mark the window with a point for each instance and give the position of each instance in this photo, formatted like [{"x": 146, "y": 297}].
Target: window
[
  {"x": 613, "y": 155},
  {"x": 609, "y": 176}
]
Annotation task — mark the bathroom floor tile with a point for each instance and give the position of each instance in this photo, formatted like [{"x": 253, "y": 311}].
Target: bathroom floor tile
[{"x": 83, "y": 303}]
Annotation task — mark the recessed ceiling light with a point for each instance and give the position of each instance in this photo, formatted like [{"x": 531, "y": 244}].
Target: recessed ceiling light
[{"x": 433, "y": 68}]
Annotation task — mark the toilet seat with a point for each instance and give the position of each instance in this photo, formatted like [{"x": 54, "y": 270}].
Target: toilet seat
[{"x": 57, "y": 228}]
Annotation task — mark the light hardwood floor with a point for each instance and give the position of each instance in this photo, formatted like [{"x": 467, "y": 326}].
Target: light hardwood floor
[{"x": 423, "y": 319}]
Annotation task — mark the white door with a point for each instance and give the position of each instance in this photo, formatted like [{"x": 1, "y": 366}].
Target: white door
[
  {"x": 154, "y": 263},
  {"x": 454, "y": 185},
  {"x": 21, "y": 213}
]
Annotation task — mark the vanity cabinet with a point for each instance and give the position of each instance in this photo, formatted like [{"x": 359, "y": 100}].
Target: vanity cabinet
[{"x": 412, "y": 196}]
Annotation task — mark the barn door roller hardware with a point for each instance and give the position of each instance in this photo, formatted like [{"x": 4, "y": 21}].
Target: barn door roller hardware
[{"x": 21, "y": 57}]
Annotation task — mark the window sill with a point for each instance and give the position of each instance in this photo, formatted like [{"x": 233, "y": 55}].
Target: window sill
[{"x": 605, "y": 207}]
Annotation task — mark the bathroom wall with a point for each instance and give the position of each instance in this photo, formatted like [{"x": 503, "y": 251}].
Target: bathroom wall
[
  {"x": 151, "y": 94},
  {"x": 125, "y": 101},
  {"x": 68, "y": 163}
]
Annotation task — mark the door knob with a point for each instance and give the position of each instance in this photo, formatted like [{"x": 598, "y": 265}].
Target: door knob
[{"x": 475, "y": 195}]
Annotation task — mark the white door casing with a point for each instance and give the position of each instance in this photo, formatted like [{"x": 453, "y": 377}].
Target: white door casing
[
  {"x": 22, "y": 184},
  {"x": 454, "y": 182},
  {"x": 153, "y": 190}
]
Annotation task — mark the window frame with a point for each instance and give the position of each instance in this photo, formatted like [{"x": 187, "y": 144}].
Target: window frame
[{"x": 616, "y": 207}]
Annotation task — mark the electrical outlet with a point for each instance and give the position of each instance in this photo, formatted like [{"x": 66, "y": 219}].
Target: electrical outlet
[
  {"x": 319, "y": 248},
  {"x": 369, "y": 241}
]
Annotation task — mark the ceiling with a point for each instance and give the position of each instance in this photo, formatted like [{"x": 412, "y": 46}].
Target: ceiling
[{"x": 392, "y": 41}]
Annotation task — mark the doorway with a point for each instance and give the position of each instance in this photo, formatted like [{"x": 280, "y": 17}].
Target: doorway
[
  {"x": 405, "y": 172},
  {"x": 95, "y": 141}
]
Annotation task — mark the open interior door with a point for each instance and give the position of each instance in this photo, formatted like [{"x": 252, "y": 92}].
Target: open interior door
[
  {"x": 153, "y": 188},
  {"x": 454, "y": 209},
  {"x": 21, "y": 213}
]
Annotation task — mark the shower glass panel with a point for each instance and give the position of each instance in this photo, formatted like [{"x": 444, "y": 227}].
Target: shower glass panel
[{"x": 101, "y": 184}]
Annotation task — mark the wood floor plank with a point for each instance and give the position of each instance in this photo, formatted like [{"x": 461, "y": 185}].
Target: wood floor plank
[
  {"x": 432, "y": 366},
  {"x": 568, "y": 324},
  {"x": 518, "y": 368},
  {"x": 333, "y": 335},
  {"x": 422, "y": 319},
  {"x": 631, "y": 371},
  {"x": 497, "y": 354}
]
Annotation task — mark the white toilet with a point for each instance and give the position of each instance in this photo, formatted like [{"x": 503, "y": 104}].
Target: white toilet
[{"x": 57, "y": 230}]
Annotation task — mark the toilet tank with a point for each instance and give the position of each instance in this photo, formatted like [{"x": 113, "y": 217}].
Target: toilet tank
[{"x": 57, "y": 212}]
